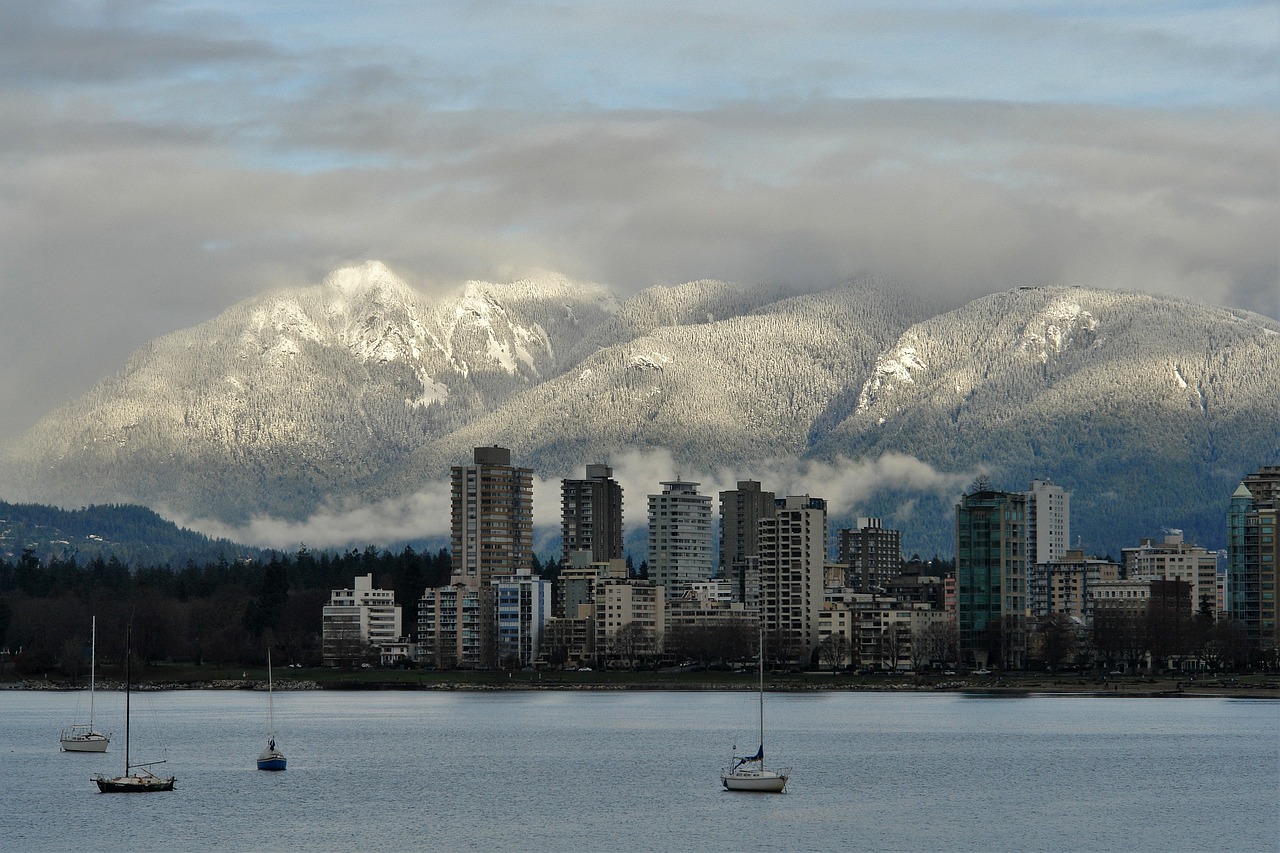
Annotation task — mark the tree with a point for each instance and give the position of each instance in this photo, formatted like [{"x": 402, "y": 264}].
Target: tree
[
  {"x": 1167, "y": 622},
  {"x": 630, "y": 643},
  {"x": 267, "y": 608},
  {"x": 1228, "y": 646},
  {"x": 936, "y": 643},
  {"x": 982, "y": 483},
  {"x": 833, "y": 651},
  {"x": 344, "y": 644},
  {"x": 1056, "y": 635}
]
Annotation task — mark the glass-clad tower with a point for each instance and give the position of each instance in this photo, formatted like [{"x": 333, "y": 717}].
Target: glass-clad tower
[{"x": 991, "y": 578}]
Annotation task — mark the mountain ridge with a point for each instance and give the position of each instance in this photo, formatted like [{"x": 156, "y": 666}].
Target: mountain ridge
[{"x": 359, "y": 389}]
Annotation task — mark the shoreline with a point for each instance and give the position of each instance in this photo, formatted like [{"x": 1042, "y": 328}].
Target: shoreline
[{"x": 1268, "y": 689}]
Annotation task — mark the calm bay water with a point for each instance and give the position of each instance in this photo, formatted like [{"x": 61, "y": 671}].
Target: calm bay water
[{"x": 638, "y": 771}]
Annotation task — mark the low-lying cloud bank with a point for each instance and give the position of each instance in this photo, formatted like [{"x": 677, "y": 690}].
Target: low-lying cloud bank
[{"x": 847, "y": 485}]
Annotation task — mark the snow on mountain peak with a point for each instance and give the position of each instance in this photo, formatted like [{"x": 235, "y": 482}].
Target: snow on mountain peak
[
  {"x": 892, "y": 367},
  {"x": 1054, "y": 328}
]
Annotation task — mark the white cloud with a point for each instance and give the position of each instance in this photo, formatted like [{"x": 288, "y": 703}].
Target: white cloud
[
  {"x": 163, "y": 164},
  {"x": 846, "y": 485}
]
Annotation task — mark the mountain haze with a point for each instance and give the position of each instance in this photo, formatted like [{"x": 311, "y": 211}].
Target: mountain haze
[{"x": 1150, "y": 409}]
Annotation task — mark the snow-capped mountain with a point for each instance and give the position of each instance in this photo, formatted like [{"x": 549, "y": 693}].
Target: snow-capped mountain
[{"x": 359, "y": 389}]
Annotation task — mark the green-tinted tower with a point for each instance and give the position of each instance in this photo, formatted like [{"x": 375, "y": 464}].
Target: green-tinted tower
[
  {"x": 991, "y": 578},
  {"x": 1252, "y": 555}
]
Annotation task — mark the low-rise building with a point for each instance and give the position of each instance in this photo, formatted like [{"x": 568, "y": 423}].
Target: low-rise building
[
  {"x": 357, "y": 622},
  {"x": 1063, "y": 586},
  {"x": 452, "y": 628},
  {"x": 1173, "y": 559},
  {"x": 629, "y": 620}
]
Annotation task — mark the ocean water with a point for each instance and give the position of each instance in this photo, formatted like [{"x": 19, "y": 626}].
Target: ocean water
[{"x": 603, "y": 771}]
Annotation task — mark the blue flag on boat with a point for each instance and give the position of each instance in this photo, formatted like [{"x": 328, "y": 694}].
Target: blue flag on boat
[{"x": 759, "y": 756}]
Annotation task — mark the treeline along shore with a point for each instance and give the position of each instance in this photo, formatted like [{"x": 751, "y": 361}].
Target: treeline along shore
[
  {"x": 208, "y": 626},
  {"x": 222, "y": 613}
]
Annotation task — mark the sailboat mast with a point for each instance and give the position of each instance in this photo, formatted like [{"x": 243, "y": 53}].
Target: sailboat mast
[
  {"x": 93, "y": 664},
  {"x": 762, "y": 695},
  {"x": 128, "y": 652},
  {"x": 271, "y": 705}
]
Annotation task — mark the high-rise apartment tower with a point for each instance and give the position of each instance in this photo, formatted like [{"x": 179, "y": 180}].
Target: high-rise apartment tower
[
  {"x": 679, "y": 537},
  {"x": 591, "y": 515},
  {"x": 1252, "y": 556},
  {"x": 1048, "y": 522},
  {"x": 991, "y": 578},
  {"x": 491, "y": 529}
]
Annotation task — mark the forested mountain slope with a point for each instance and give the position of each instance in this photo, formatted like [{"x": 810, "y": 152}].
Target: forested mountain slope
[
  {"x": 1149, "y": 409},
  {"x": 134, "y": 535}
]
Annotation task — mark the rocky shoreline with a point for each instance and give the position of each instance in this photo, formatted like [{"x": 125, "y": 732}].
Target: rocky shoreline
[{"x": 1127, "y": 689}]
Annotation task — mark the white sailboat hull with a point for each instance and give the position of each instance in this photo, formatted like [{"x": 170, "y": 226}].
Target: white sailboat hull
[
  {"x": 757, "y": 781},
  {"x": 90, "y": 741}
]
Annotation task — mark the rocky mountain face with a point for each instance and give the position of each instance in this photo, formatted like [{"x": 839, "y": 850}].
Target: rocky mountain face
[{"x": 1149, "y": 409}]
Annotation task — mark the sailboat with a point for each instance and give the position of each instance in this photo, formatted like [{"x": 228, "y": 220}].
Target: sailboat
[
  {"x": 137, "y": 778},
  {"x": 271, "y": 758},
  {"x": 748, "y": 773},
  {"x": 85, "y": 737}
]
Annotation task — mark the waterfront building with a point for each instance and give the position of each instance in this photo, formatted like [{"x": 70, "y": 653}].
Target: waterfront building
[
  {"x": 455, "y": 627},
  {"x": 491, "y": 530},
  {"x": 792, "y": 558},
  {"x": 871, "y": 554},
  {"x": 912, "y": 587},
  {"x": 879, "y": 632},
  {"x": 591, "y": 515},
  {"x": 1048, "y": 527},
  {"x": 1173, "y": 559},
  {"x": 707, "y": 619},
  {"x": 743, "y": 577},
  {"x": 1253, "y": 552},
  {"x": 575, "y": 585},
  {"x": 629, "y": 620},
  {"x": 991, "y": 578},
  {"x": 679, "y": 536},
  {"x": 568, "y": 642},
  {"x": 1063, "y": 586},
  {"x": 522, "y": 608},
  {"x": 357, "y": 622}
]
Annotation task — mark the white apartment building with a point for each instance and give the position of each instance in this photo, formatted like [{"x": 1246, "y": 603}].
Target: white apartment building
[
  {"x": 680, "y": 536},
  {"x": 881, "y": 632},
  {"x": 1172, "y": 559},
  {"x": 357, "y": 621},
  {"x": 1048, "y": 522}
]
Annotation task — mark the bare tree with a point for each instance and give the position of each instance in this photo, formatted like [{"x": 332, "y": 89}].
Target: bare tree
[
  {"x": 1056, "y": 636},
  {"x": 834, "y": 651},
  {"x": 630, "y": 643},
  {"x": 936, "y": 643}
]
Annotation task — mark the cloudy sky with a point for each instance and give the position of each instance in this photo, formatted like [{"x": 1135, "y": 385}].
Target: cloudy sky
[{"x": 161, "y": 161}]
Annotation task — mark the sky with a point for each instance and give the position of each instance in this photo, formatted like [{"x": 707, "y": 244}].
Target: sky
[{"x": 162, "y": 161}]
